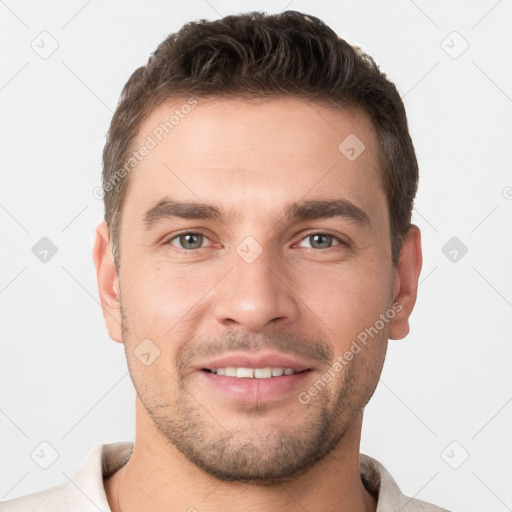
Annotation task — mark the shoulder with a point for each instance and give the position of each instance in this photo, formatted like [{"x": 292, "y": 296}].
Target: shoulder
[
  {"x": 53, "y": 499},
  {"x": 85, "y": 492},
  {"x": 379, "y": 482}
]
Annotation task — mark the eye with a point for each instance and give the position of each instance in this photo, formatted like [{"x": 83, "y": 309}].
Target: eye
[
  {"x": 321, "y": 241},
  {"x": 188, "y": 241}
]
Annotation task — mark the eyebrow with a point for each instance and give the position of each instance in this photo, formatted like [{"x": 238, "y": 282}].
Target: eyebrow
[
  {"x": 325, "y": 209},
  {"x": 167, "y": 208}
]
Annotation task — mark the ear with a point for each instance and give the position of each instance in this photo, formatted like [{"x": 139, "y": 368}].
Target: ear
[
  {"x": 405, "y": 284},
  {"x": 108, "y": 282}
]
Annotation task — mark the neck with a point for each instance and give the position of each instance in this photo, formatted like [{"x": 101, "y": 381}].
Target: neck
[{"x": 159, "y": 478}]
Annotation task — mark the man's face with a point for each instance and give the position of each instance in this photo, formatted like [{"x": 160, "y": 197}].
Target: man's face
[{"x": 295, "y": 266}]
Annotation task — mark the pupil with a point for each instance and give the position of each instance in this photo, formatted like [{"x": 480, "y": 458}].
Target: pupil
[
  {"x": 188, "y": 240},
  {"x": 322, "y": 240}
]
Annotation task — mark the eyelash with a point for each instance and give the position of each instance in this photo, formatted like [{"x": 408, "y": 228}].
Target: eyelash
[{"x": 200, "y": 232}]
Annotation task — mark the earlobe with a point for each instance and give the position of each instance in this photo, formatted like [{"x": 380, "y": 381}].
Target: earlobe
[
  {"x": 108, "y": 282},
  {"x": 405, "y": 285}
]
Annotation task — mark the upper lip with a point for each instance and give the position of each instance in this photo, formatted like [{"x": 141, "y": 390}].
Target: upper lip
[{"x": 255, "y": 360}]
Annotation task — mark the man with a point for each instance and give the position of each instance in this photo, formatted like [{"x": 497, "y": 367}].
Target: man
[{"x": 256, "y": 256}]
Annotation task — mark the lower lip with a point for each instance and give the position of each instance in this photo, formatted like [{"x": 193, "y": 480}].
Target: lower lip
[{"x": 256, "y": 390}]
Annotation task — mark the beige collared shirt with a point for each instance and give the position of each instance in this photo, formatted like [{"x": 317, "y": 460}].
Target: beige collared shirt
[{"x": 86, "y": 492}]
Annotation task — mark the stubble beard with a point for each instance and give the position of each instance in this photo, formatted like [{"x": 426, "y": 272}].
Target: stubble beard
[{"x": 240, "y": 456}]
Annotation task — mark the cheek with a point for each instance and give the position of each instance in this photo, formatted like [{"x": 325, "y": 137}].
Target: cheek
[
  {"x": 347, "y": 300},
  {"x": 164, "y": 304}
]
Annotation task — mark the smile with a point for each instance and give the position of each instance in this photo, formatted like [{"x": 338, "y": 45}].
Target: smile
[{"x": 253, "y": 373}]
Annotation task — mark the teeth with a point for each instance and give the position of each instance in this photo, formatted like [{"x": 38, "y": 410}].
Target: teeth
[
  {"x": 254, "y": 373},
  {"x": 244, "y": 372},
  {"x": 263, "y": 373},
  {"x": 230, "y": 371}
]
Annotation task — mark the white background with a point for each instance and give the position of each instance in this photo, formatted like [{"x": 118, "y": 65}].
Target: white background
[{"x": 65, "y": 382}]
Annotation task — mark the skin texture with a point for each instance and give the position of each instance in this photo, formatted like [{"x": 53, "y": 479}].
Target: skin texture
[{"x": 197, "y": 446}]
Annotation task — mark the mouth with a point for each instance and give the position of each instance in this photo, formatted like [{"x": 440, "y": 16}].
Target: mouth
[
  {"x": 268, "y": 372},
  {"x": 249, "y": 378}
]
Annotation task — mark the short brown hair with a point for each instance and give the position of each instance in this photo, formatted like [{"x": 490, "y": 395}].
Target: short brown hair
[{"x": 256, "y": 55}]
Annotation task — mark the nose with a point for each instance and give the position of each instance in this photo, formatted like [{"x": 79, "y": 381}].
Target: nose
[{"x": 255, "y": 294}]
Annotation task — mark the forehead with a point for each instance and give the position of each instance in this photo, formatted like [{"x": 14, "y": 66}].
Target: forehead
[{"x": 250, "y": 156}]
